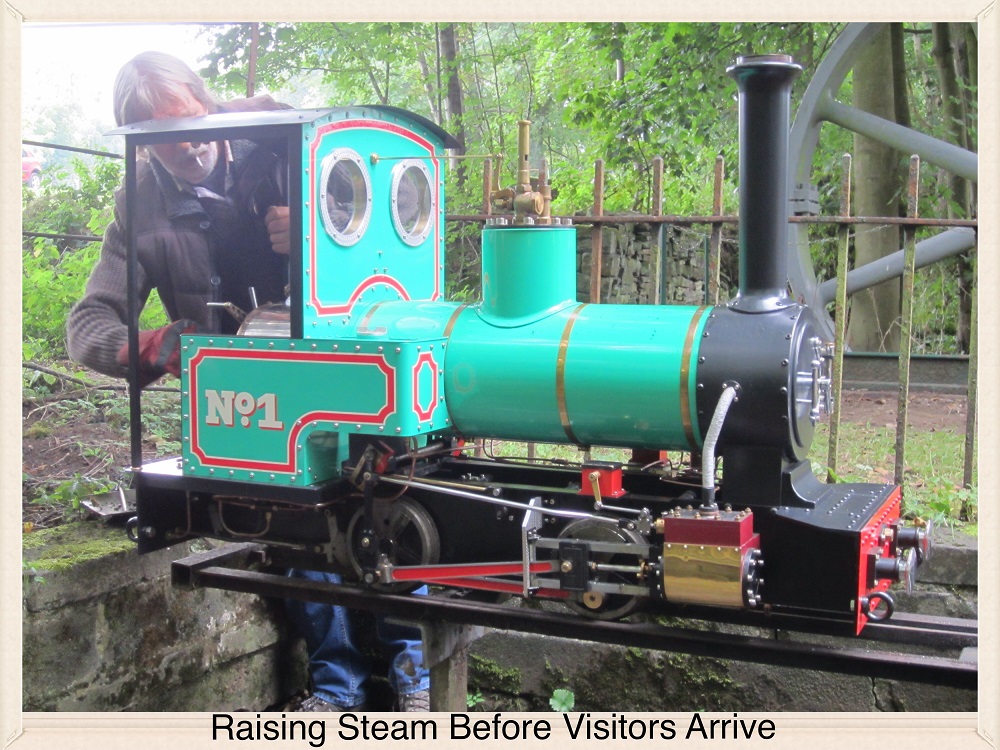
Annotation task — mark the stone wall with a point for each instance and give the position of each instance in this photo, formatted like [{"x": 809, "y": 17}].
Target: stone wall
[
  {"x": 630, "y": 264},
  {"x": 108, "y": 632}
]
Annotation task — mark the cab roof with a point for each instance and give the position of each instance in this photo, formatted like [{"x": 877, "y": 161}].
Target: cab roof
[{"x": 266, "y": 124}]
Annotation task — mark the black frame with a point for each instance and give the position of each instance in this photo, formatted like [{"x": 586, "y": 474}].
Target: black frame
[{"x": 270, "y": 125}]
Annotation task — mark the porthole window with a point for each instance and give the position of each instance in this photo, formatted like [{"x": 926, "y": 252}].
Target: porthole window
[
  {"x": 346, "y": 196},
  {"x": 412, "y": 201}
]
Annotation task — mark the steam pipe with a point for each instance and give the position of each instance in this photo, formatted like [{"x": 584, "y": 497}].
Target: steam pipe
[
  {"x": 708, "y": 447},
  {"x": 764, "y": 83}
]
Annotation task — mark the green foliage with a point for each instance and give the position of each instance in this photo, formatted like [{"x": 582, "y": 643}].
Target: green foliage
[
  {"x": 935, "y": 309},
  {"x": 486, "y": 674},
  {"x": 69, "y": 492},
  {"x": 360, "y": 63},
  {"x": 562, "y": 700},
  {"x": 76, "y": 200},
  {"x": 161, "y": 420},
  {"x": 55, "y": 271},
  {"x": 462, "y": 261},
  {"x": 62, "y": 119},
  {"x": 667, "y": 100},
  {"x": 474, "y": 700},
  {"x": 53, "y": 282},
  {"x": 659, "y": 90},
  {"x": 621, "y": 92}
]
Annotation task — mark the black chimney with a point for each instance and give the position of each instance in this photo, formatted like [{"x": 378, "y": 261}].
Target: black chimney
[{"x": 765, "y": 83}]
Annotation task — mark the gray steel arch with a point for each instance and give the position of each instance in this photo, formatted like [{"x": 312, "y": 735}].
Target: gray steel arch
[{"x": 819, "y": 106}]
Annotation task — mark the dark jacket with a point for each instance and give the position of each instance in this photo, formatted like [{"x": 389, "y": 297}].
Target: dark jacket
[{"x": 191, "y": 251}]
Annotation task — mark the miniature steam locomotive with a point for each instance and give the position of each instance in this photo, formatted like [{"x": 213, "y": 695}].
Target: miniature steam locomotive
[{"x": 335, "y": 429}]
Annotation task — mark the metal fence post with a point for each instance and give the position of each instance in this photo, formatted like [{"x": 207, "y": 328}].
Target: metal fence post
[
  {"x": 659, "y": 275},
  {"x": 840, "y": 318},
  {"x": 597, "y": 236},
  {"x": 714, "y": 262},
  {"x": 487, "y": 186},
  {"x": 972, "y": 399},
  {"x": 906, "y": 317}
]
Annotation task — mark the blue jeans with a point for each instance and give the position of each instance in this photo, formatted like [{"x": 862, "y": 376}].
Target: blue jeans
[{"x": 338, "y": 668}]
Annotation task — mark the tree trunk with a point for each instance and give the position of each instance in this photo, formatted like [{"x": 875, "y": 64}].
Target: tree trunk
[
  {"x": 618, "y": 31},
  {"x": 901, "y": 99},
  {"x": 454, "y": 104},
  {"x": 804, "y": 53},
  {"x": 875, "y": 311},
  {"x": 425, "y": 73},
  {"x": 955, "y": 119},
  {"x": 252, "y": 62}
]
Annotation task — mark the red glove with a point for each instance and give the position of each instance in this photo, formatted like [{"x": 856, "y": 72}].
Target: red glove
[{"x": 159, "y": 351}]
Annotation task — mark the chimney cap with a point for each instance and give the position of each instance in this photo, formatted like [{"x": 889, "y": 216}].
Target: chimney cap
[{"x": 755, "y": 59}]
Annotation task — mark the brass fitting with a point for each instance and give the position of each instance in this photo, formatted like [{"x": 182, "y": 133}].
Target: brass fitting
[
  {"x": 522, "y": 198},
  {"x": 595, "y": 483},
  {"x": 546, "y": 190},
  {"x": 523, "y": 151}
]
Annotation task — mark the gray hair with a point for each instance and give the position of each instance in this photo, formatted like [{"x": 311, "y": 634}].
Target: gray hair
[{"x": 153, "y": 80}]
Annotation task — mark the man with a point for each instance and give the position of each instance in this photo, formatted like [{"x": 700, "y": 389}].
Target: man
[{"x": 209, "y": 229}]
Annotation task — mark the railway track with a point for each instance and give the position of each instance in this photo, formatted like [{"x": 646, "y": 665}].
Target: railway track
[{"x": 910, "y": 648}]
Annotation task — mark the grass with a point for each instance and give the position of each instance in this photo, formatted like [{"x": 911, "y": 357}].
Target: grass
[{"x": 932, "y": 475}]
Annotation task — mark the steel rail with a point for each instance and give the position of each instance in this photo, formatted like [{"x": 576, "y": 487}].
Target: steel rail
[
  {"x": 926, "y": 630},
  {"x": 70, "y": 237},
  {"x": 206, "y": 570},
  {"x": 77, "y": 149}
]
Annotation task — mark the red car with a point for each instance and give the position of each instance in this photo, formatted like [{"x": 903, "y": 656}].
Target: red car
[{"x": 31, "y": 168}]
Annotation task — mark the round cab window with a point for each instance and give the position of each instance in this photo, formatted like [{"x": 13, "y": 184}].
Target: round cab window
[
  {"x": 346, "y": 199},
  {"x": 412, "y": 201}
]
